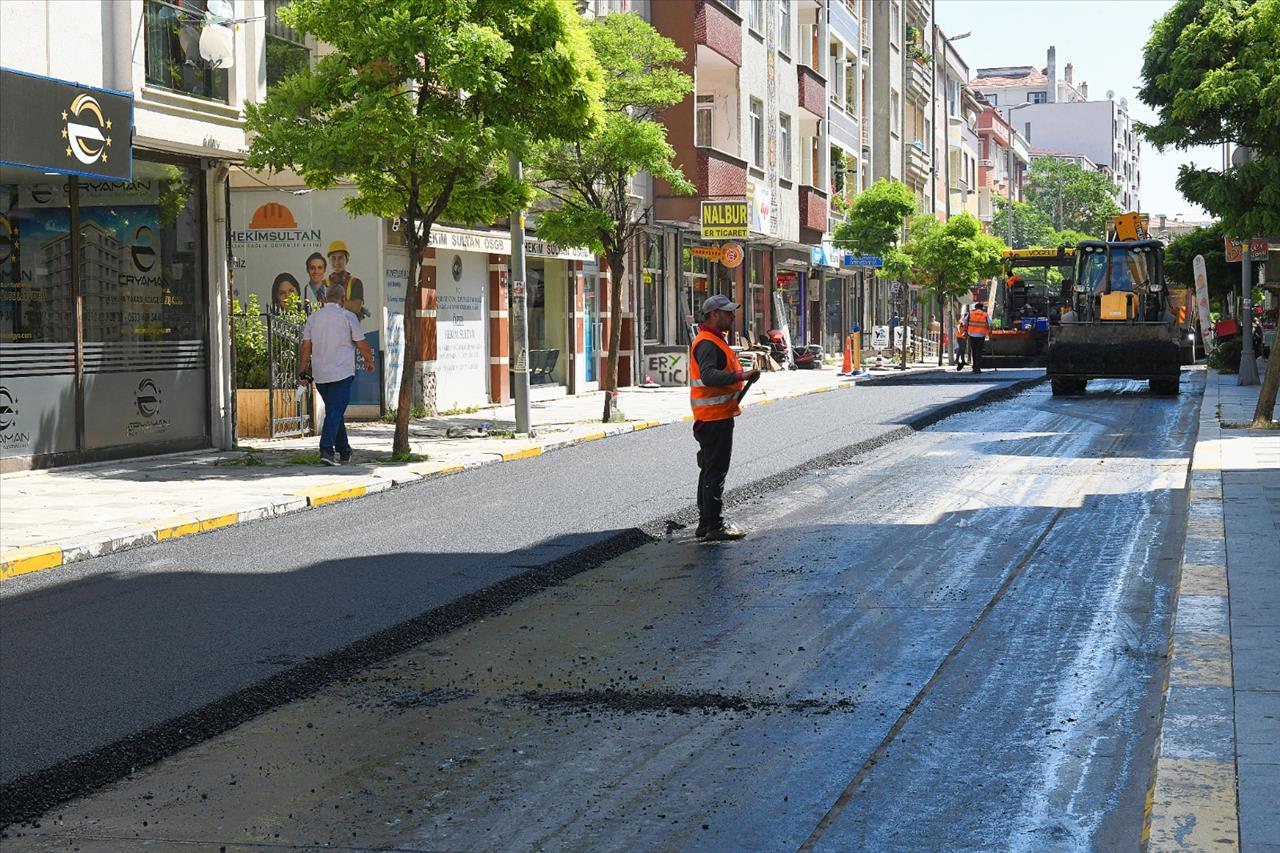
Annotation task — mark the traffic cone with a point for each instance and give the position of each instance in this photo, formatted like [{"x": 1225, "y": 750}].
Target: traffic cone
[{"x": 847, "y": 368}]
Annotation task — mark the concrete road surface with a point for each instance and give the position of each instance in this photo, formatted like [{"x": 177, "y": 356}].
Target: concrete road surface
[{"x": 955, "y": 641}]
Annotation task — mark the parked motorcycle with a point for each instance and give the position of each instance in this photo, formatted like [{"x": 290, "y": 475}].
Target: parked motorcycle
[{"x": 800, "y": 357}]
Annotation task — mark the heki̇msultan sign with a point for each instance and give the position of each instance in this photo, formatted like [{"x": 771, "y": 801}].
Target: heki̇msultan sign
[
  {"x": 725, "y": 220},
  {"x": 57, "y": 126}
]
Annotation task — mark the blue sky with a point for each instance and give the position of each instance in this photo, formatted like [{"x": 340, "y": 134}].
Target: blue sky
[{"x": 1103, "y": 39}]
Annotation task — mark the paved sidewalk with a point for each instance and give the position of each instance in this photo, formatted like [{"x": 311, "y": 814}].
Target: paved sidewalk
[
  {"x": 51, "y": 518},
  {"x": 1218, "y": 766}
]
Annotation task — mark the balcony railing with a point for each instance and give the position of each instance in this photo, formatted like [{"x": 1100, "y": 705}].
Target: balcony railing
[
  {"x": 719, "y": 174},
  {"x": 715, "y": 28},
  {"x": 813, "y": 209},
  {"x": 917, "y": 163},
  {"x": 170, "y": 65},
  {"x": 812, "y": 90}
]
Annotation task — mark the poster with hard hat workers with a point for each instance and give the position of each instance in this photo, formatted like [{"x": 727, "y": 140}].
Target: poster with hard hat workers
[{"x": 287, "y": 245}]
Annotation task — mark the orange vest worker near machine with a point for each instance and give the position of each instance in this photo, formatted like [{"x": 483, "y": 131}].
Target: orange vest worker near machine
[
  {"x": 715, "y": 381},
  {"x": 978, "y": 329}
]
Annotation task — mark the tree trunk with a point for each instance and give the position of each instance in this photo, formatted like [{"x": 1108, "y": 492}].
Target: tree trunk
[
  {"x": 412, "y": 341},
  {"x": 610, "y": 384},
  {"x": 942, "y": 315},
  {"x": 1270, "y": 385}
]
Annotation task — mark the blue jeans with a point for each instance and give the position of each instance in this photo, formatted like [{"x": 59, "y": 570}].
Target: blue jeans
[{"x": 336, "y": 396}]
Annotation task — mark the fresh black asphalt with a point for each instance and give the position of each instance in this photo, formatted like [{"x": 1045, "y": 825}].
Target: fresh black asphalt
[{"x": 122, "y": 645}]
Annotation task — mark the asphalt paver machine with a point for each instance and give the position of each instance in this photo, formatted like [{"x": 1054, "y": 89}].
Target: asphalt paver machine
[
  {"x": 1027, "y": 300},
  {"x": 1121, "y": 324}
]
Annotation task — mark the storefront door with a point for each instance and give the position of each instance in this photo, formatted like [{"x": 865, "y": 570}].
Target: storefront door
[{"x": 591, "y": 330}]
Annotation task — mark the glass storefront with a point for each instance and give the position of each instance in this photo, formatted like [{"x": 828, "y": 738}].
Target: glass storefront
[
  {"x": 756, "y": 315},
  {"x": 132, "y": 253},
  {"x": 652, "y": 284}
]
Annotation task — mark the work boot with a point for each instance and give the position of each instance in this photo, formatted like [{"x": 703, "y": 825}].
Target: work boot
[
  {"x": 726, "y": 532},
  {"x": 326, "y": 458}
]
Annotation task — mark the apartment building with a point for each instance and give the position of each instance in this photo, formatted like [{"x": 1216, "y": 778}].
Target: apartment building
[
  {"x": 121, "y": 160},
  {"x": 1003, "y": 162}
]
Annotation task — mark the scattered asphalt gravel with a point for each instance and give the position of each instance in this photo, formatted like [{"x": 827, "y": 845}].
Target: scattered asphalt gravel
[{"x": 115, "y": 663}]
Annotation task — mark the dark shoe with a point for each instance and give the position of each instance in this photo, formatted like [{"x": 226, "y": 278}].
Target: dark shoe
[
  {"x": 327, "y": 458},
  {"x": 344, "y": 458},
  {"x": 726, "y": 532},
  {"x": 700, "y": 533}
]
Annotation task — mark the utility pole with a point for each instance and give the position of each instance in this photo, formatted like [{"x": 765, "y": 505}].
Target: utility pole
[{"x": 518, "y": 312}]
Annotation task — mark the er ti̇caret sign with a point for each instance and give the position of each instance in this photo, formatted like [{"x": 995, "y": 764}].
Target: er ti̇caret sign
[
  {"x": 724, "y": 220},
  {"x": 57, "y": 126}
]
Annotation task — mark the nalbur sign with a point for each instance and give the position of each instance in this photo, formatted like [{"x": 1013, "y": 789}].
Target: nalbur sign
[{"x": 725, "y": 220}]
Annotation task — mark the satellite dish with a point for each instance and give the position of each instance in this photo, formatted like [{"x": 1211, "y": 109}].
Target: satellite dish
[
  {"x": 217, "y": 46},
  {"x": 1124, "y": 103},
  {"x": 1111, "y": 94},
  {"x": 1242, "y": 155},
  {"x": 220, "y": 10}
]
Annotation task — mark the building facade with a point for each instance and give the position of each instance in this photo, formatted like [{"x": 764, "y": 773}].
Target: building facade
[{"x": 114, "y": 309}]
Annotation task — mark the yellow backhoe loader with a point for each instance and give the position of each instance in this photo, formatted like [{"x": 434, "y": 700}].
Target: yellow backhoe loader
[{"x": 1121, "y": 324}]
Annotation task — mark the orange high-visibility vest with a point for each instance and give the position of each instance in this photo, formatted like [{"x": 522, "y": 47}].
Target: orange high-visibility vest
[
  {"x": 962, "y": 330},
  {"x": 717, "y": 402},
  {"x": 978, "y": 323}
]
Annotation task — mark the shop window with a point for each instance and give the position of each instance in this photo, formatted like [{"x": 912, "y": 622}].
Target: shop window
[
  {"x": 140, "y": 260},
  {"x": 173, "y": 50},
  {"x": 287, "y": 51},
  {"x": 652, "y": 280},
  {"x": 36, "y": 300},
  {"x": 536, "y": 293},
  {"x": 757, "y": 294}
]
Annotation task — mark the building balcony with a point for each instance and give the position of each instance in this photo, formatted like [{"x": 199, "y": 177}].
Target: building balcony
[
  {"x": 716, "y": 28},
  {"x": 813, "y": 210},
  {"x": 917, "y": 165},
  {"x": 918, "y": 85},
  {"x": 714, "y": 174},
  {"x": 812, "y": 90},
  {"x": 918, "y": 11}
]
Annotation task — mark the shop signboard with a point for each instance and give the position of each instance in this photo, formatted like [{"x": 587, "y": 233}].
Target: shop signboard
[
  {"x": 669, "y": 369},
  {"x": 879, "y": 337},
  {"x": 759, "y": 199},
  {"x": 731, "y": 255},
  {"x": 1234, "y": 249},
  {"x": 395, "y": 276},
  {"x": 711, "y": 253},
  {"x": 1258, "y": 248},
  {"x": 58, "y": 126},
  {"x": 288, "y": 244},
  {"x": 725, "y": 220},
  {"x": 462, "y": 354}
]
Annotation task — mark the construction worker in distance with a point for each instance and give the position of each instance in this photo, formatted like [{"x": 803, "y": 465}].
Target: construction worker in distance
[
  {"x": 977, "y": 329},
  {"x": 715, "y": 381}
]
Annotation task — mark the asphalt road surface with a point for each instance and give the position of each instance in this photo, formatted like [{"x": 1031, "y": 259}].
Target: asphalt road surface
[{"x": 954, "y": 641}]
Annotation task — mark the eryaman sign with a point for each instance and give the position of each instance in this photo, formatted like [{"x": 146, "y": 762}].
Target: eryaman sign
[{"x": 724, "y": 220}]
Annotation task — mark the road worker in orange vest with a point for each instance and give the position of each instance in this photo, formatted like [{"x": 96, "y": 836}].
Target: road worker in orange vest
[
  {"x": 715, "y": 382},
  {"x": 978, "y": 329}
]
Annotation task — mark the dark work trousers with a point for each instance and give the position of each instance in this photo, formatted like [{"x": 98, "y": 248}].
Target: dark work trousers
[
  {"x": 715, "y": 448},
  {"x": 960, "y": 351},
  {"x": 975, "y": 352}
]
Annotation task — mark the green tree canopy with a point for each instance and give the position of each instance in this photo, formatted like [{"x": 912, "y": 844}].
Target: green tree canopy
[
  {"x": 1071, "y": 197},
  {"x": 1032, "y": 227},
  {"x": 1224, "y": 278},
  {"x": 948, "y": 258},
  {"x": 874, "y": 223},
  {"x": 1211, "y": 71},
  {"x": 417, "y": 107},
  {"x": 590, "y": 178}
]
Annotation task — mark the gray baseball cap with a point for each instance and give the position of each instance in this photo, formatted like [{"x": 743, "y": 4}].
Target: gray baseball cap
[{"x": 719, "y": 302}]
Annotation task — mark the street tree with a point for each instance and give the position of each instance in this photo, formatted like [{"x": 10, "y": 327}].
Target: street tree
[
  {"x": 1032, "y": 227},
  {"x": 1071, "y": 197},
  {"x": 1211, "y": 71},
  {"x": 417, "y": 106},
  {"x": 1223, "y": 278},
  {"x": 874, "y": 226},
  {"x": 590, "y": 177},
  {"x": 949, "y": 258}
]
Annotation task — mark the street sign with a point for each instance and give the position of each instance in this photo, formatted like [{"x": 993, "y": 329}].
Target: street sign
[
  {"x": 1202, "y": 295},
  {"x": 869, "y": 261},
  {"x": 879, "y": 337},
  {"x": 1258, "y": 249},
  {"x": 711, "y": 253},
  {"x": 1234, "y": 250},
  {"x": 724, "y": 220}
]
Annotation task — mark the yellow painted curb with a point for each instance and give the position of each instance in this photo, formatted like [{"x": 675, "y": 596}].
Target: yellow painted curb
[
  {"x": 34, "y": 558},
  {"x": 189, "y": 525},
  {"x": 595, "y": 436},
  {"x": 645, "y": 425},
  {"x": 1194, "y": 806},
  {"x": 527, "y": 453},
  {"x": 330, "y": 494}
]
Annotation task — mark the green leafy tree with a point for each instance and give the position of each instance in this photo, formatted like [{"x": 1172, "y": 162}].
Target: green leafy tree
[
  {"x": 1071, "y": 197},
  {"x": 1211, "y": 71},
  {"x": 1032, "y": 228},
  {"x": 591, "y": 177},
  {"x": 1069, "y": 237},
  {"x": 949, "y": 258},
  {"x": 874, "y": 226},
  {"x": 417, "y": 107},
  {"x": 1223, "y": 278}
]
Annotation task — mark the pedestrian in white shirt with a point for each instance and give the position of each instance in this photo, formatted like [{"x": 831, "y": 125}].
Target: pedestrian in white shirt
[{"x": 329, "y": 342}]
